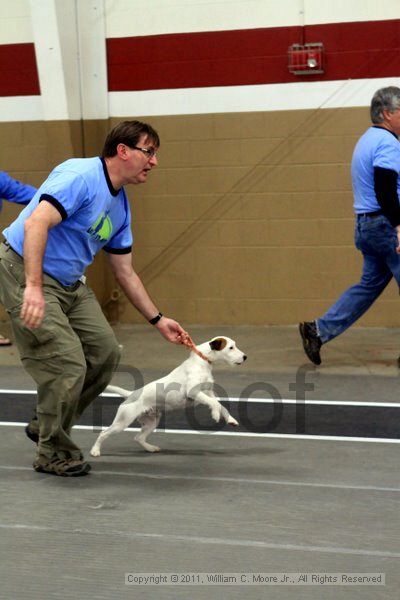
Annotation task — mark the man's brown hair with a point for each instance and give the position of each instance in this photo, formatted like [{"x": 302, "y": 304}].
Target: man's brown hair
[{"x": 129, "y": 133}]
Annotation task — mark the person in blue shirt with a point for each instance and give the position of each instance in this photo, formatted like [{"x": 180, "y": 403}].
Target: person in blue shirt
[
  {"x": 375, "y": 172},
  {"x": 65, "y": 342},
  {"x": 13, "y": 191}
]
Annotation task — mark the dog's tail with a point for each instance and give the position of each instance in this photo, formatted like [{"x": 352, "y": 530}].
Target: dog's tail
[{"x": 117, "y": 390}]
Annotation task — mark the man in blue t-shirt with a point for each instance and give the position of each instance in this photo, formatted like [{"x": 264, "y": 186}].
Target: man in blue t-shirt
[
  {"x": 20, "y": 193},
  {"x": 375, "y": 172},
  {"x": 64, "y": 340}
]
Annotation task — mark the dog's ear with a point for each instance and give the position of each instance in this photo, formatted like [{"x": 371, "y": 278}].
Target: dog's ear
[{"x": 218, "y": 344}]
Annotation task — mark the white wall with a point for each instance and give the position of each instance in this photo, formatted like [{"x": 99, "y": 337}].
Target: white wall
[
  {"x": 77, "y": 87},
  {"x": 126, "y": 18},
  {"x": 15, "y": 22}
]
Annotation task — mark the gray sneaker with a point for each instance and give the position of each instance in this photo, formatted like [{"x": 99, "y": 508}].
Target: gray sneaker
[{"x": 311, "y": 341}]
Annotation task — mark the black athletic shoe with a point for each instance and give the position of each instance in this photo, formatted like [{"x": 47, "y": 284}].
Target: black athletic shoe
[
  {"x": 311, "y": 341},
  {"x": 32, "y": 430}
]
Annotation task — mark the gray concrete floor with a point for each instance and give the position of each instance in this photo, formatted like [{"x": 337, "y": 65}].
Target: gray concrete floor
[{"x": 209, "y": 503}]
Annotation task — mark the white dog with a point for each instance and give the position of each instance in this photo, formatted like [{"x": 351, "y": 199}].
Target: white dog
[{"x": 192, "y": 380}]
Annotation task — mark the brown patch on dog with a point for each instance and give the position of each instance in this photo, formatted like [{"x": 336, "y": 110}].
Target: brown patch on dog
[{"x": 218, "y": 344}]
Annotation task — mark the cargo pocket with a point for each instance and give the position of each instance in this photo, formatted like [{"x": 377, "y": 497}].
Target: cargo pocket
[
  {"x": 15, "y": 269},
  {"x": 12, "y": 283},
  {"x": 34, "y": 343}
]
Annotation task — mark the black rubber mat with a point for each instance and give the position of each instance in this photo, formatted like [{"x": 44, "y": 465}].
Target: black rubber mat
[{"x": 254, "y": 417}]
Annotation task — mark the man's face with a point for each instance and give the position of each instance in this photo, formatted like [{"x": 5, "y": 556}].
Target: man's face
[
  {"x": 393, "y": 120},
  {"x": 138, "y": 163}
]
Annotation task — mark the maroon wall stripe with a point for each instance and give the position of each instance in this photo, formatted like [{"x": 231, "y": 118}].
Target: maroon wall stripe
[
  {"x": 242, "y": 57},
  {"x": 251, "y": 56},
  {"x": 19, "y": 75}
]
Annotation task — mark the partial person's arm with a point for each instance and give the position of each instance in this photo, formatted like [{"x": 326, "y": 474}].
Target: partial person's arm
[
  {"x": 15, "y": 191},
  {"x": 385, "y": 185},
  {"x": 44, "y": 217},
  {"x": 131, "y": 284}
]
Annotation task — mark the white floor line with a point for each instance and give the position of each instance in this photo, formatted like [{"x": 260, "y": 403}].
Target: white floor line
[
  {"x": 255, "y": 400},
  {"x": 239, "y": 480},
  {"x": 192, "y": 539},
  {"x": 294, "y": 436}
]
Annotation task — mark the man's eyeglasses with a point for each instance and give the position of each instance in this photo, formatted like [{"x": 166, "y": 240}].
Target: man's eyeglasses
[{"x": 149, "y": 152}]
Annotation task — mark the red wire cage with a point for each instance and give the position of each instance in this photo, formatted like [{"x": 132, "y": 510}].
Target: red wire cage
[{"x": 306, "y": 59}]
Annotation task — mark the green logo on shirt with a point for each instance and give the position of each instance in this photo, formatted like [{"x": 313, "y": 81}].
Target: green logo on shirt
[{"x": 102, "y": 228}]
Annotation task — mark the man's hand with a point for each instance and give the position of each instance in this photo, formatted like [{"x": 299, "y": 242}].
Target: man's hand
[
  {"x": 171, "y": 330},
  {"x": 33, "y": 306}
]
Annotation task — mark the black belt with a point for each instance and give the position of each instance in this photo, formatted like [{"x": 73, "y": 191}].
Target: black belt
[{"x": 374, "y": 213}]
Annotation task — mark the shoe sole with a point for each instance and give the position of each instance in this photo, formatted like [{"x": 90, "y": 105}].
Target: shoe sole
[
  {"x": 84, "y": 471},
  {"x": 305, "y": 346}
]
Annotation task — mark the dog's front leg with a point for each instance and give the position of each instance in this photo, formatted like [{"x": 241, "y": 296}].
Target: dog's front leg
[
  {"x": 212, "y": 403},
  {"x": 225, "y": 414}
]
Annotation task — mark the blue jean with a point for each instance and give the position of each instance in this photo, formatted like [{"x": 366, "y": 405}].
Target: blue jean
[{"x": 377, "y": 240}]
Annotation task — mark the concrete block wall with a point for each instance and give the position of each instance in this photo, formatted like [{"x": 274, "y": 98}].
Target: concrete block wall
[{"x": 248, "y": 218}]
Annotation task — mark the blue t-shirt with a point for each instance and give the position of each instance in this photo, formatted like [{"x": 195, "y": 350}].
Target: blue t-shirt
[
  {"x": 15, "y": 191},
  {"x": 94, "y": 216},
  {"x": 378, "y": 147}
]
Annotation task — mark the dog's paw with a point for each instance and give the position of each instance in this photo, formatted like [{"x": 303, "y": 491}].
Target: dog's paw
[
  {"x": 95, "y": 451},
  {"x": 151, "y": 448},
  {"x": 232, "y": 421}
]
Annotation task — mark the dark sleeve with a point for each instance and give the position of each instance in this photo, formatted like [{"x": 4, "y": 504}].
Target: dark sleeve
[
  {"x": 118, "y": 250},
  {"x": 54, "y": 202},
  {"x": 385, "y": 185}
]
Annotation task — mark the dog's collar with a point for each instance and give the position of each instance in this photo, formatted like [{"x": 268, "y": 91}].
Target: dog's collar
[
  {"x": 203, "y": 356},
  {"x": 187, "y": 341}
]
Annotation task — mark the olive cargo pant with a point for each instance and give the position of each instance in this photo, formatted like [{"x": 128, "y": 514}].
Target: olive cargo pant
[{"x": 71, "y": 356}]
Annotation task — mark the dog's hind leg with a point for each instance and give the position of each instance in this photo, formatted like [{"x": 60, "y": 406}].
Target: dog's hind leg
[
  {"x": 126, "y": 414},
  {"x": 149, "y": 422}
]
